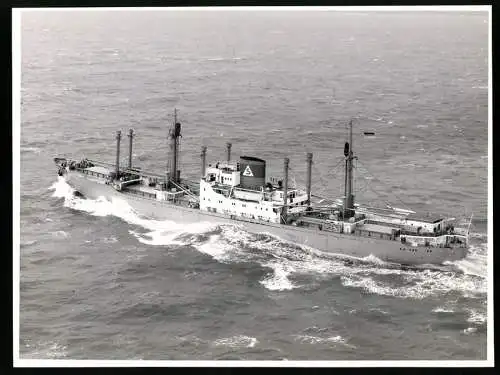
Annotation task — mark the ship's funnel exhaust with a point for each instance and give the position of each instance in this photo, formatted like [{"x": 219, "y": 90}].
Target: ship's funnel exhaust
[
  {"x": 203, "y": 160},
  {"x": 118, "y": 139},
  {"x": 252, "y": 172},
  {"x": 130, "y": 136},
  {"x": 285, "y": 189},
  {"x": 228, "y": 145},
  {"x": 309, "y": 172}
]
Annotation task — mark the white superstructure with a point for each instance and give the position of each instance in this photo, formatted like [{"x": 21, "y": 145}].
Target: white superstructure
[{"x": 220, "y": 191}]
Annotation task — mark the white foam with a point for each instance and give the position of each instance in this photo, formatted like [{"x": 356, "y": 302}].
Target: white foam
[
  {"x": 373, "y": 259},
  {"x": 28, "y": 243},
  {"x": 425, "y": 282},
  {"x": 286, "y": 260},
  {"x": 475, "y": 263},
  {"x": 35, "y": 150},
  {"x": 278, "y": 280},
  {"x": 60, "y": 234},
  {"x": 157, "y": 238},
  {"x": 216, "y": 248},
  {"x": 48, "y": 350},
  {"x": 379, "y": 311},
  {"x": 477, "y": 316},
  {"x": 240, "y": 341},
  {"x": 231, "y": 243},
  {"x": 469, "y": 330},
  {"x": 444, "y": 310},
  {"x": 309, "y": 339},
  {"x": 161, "y": 232},
  {"x": 61, "y": 188}
]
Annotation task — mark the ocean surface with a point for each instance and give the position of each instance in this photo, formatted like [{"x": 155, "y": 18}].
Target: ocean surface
[{"x": 98, "y": 281}]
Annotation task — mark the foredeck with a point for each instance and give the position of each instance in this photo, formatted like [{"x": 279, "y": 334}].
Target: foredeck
[
  {"x": 99, "y": 169},
  {"x": 142, "y": 188}
]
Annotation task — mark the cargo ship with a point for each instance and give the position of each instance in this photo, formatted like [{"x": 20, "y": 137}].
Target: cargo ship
[{"x": 238, "y": 192}]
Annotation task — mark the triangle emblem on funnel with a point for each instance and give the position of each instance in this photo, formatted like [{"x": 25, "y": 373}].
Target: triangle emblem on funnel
[{"x": 248, "y": 172}]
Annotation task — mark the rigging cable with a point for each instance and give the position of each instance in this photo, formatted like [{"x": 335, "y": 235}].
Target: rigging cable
[
  {"x": 374, "y": 191},
  {"x": 375, "y": 178},
  {"x": 334, "y": 171}
]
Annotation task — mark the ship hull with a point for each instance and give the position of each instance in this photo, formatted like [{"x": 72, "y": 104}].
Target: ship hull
[{"x": 342, "y": 244}]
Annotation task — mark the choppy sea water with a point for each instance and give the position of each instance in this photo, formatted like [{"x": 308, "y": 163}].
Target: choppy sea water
[{"x": 98, "y": 281}]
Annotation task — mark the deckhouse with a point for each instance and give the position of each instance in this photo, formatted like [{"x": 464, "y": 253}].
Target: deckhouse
[{"x": 239, "y": 189}]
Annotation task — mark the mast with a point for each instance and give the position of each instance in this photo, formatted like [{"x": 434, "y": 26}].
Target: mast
[
  {"x": 175, "y": 134},
  {"x": 117, "y": 167},
  {"x": 349, "y": 197},
  {"x": 285, "y": 190},
  {"x": 308, "y": 185},
  {"x": 228, "y": 144},
  {"x": 130, "y": 136},
  {"x": 203, "y": 160}
]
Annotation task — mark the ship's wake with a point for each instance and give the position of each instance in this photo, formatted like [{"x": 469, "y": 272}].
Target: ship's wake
[
  {"x": 291, "y": 266},
  {"x": 158, "y": 232},
  {"x": 298, "y": 267}
]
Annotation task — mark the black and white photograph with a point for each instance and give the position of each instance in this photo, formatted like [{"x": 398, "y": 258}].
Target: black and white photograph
[{"x": 253, "y": 186}]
